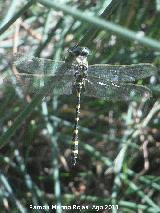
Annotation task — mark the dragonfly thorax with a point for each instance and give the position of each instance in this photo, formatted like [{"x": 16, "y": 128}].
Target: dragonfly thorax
[
  {"x": 80, "y": 62},
  {"x": 81, "y": 74},
  {"x": 81, "y": 67}
]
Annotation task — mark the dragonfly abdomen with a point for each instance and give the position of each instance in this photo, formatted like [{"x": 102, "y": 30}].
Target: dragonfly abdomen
[{"x": 75, "y": 141}]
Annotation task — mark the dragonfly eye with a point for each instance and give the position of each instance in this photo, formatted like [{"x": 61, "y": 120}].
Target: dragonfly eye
[
  {"x": 79, "y": 51},
  {"x": 85, "y": 51}
]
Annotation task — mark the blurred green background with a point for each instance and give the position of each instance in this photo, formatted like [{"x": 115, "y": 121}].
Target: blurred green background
[{"x": 119, "y": 153}]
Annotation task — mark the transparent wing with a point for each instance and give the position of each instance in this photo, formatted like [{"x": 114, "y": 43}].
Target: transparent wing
[
  {"x": 39, "y": 83},
  {"x": 35, "y": 73},
  {"x": 116, "y": 90},
  {"x": 121, "y": 73},
  {"x": 33, "y": 65}
]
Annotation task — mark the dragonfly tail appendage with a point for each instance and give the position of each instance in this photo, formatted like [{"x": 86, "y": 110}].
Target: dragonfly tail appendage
[{"x": 74, "y": 154}]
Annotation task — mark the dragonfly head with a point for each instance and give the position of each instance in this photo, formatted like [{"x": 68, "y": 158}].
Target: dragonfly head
[{"x": 79, "y": 51}]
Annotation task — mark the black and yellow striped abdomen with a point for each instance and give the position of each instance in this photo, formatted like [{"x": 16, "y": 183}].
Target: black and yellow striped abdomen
[{"x": 74, "y": 150}]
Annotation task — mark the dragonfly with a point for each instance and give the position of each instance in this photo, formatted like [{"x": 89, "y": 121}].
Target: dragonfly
[{"x": 105, "y": 81}]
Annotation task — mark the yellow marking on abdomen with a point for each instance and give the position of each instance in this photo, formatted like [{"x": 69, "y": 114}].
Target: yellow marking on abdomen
[
  {"x": 77, "y": 119},
  {"x": 78, "y": 94},
  {"x": 75, "y": 151},
  {"x": 78, "y": 106},
  {"x": 76, "y": 131},
  {"x": 75, "y": 142}
]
